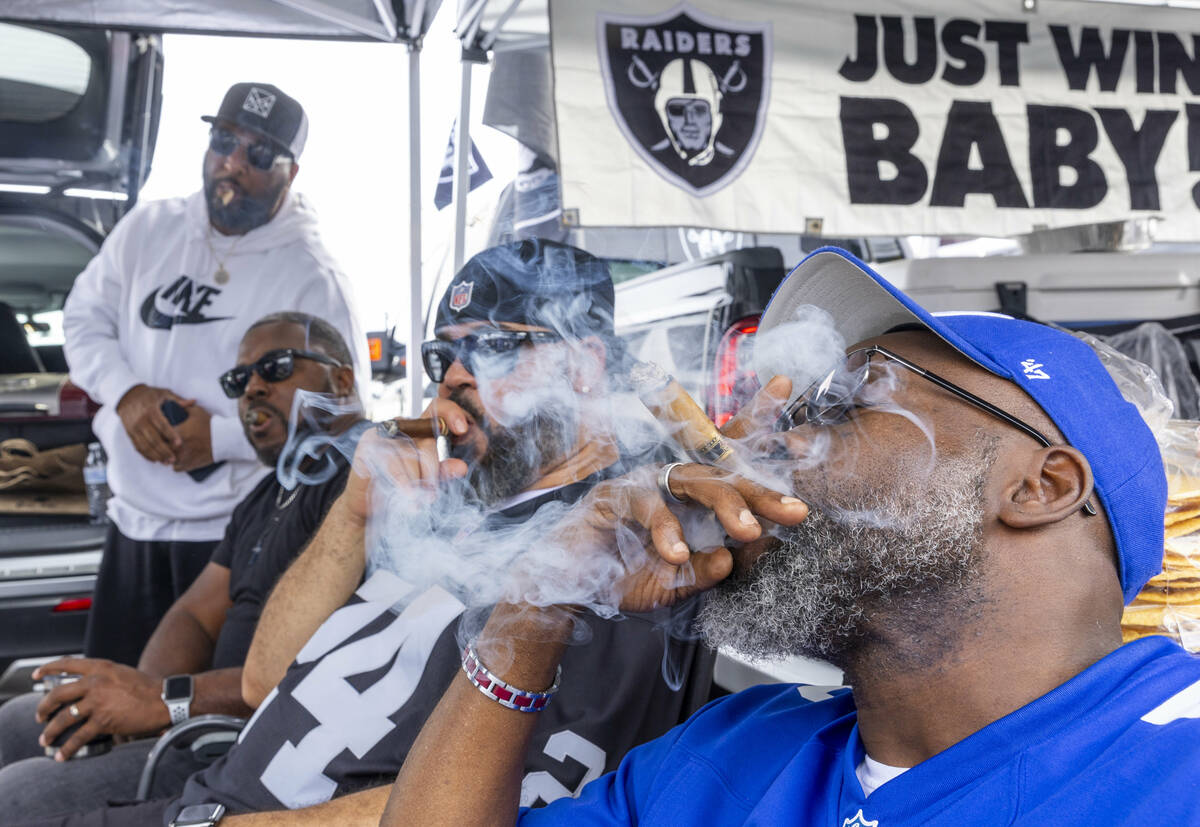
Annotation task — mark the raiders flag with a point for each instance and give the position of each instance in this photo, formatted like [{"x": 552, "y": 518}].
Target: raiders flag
[{"x": 876, "y": 117}]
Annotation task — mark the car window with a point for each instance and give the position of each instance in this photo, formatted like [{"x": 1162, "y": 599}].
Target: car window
[
  {"x": 46, "y": 329},
  {"x": 42, "y": 75}
]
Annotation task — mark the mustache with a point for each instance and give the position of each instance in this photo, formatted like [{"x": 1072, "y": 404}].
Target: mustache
[{"x": 459, "y": 397}]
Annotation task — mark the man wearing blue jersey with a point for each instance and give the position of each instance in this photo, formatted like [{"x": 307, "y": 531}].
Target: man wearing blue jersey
[{"x": 987, "y": 503}]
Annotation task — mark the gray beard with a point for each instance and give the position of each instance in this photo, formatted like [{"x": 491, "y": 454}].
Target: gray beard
[{"x": 904, "y": 564}]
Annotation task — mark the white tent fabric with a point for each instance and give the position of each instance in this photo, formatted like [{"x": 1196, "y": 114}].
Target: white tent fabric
[
  {"x": 350, "y": 19},
  {"x": 502, "y": 24}
]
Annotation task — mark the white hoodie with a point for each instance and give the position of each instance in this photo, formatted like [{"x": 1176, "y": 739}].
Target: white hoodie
[{"x": 147, "y": 310}]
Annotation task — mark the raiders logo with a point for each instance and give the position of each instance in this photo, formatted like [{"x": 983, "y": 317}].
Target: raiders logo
[{"x": 689, "y": 91}]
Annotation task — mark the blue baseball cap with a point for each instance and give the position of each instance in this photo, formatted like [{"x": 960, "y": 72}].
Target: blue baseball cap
[{"x": 1060, "y": 372}]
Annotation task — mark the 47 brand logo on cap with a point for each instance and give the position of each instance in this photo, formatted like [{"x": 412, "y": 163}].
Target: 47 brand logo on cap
[
  {"x": 460, "y": 295},
  {"x": 689, "y": 91},
  {"x": 1033, "y": 369},
  {"x": 259, "y": 101}
]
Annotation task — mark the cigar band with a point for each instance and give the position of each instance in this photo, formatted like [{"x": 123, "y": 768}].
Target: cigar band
[{"x": 715, "y": 450}]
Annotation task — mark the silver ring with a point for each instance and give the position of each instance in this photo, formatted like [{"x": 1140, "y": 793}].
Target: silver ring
[
  {"x": 74, "y": 710},
  {"x": 664, "y": 483}
]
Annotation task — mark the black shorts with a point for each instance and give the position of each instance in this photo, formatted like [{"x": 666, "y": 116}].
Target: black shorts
[{"x": 137, "y": 583}]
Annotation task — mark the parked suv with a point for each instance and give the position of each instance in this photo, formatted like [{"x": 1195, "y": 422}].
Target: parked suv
[{"x": 78, "y": 118}]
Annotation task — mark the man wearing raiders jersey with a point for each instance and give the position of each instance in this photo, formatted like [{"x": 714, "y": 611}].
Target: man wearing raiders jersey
[
  {"x": 986, "y": 503},
  {"x": 350, "y": 668}
]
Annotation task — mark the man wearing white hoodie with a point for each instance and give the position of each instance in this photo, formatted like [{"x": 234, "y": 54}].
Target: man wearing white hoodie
[{"x": 155, "y": 317}]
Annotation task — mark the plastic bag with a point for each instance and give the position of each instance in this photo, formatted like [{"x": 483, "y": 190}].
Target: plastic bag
[
  {"x": 1138, "y": 382},
  {"x": 1170, "y": 603},
  {"x": 1153, "y": 345}
]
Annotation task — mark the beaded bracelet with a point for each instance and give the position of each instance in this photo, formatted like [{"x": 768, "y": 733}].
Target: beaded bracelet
[{"x": 504, "y": 693}]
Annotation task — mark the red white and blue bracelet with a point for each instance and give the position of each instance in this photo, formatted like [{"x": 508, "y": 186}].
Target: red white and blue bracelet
[{"x": 504, "y": 693}]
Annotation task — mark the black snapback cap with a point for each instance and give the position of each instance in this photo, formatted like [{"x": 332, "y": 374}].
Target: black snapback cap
[{"x": 267, "y": 110}]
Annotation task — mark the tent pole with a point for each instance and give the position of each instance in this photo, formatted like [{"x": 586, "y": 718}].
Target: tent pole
[
  {"x": 462, "y": 164},
  {"x": 414, "y": 374}
]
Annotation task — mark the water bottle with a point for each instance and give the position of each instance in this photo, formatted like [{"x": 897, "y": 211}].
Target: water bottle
[{"x": 95, "y": 480}]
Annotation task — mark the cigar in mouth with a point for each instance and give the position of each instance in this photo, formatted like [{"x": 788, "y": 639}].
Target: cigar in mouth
[
  {"x": 225, "y": 194},
  {"x": 414, "y": 428},
  {"x": 255, "y": 417},
  {"x": 684, "y": 420},
  {"x": 422, "y": 428}
]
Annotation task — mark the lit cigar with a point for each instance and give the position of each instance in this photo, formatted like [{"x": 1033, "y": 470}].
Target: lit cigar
[
  {"x": 255, "y": 417},
  {"x": 414, "y": 428},
  {"x": 679, "y": 413},
  {"x": 419, "y": 429}
]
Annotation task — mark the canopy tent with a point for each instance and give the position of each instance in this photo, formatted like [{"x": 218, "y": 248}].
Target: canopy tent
[
  {"x": 502, "y": 24},
  {"x": 341, "y": 19},
  {"x": 390, "y": 21}
]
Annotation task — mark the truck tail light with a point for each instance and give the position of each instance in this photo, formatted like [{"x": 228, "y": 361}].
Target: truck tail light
[
  {"x": 73, "y": 403},
  {"x": 735, "y": 382}
]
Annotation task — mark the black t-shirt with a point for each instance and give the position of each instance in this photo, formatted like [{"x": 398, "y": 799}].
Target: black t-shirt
[
  {"x": 268, "y": 529},
  {"x": 349, "y": 708}
]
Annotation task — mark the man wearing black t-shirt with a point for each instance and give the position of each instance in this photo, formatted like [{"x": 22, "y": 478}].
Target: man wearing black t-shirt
[{"x": 204, "y": 637}]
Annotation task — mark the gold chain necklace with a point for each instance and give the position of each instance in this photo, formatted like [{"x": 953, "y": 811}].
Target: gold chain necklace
[{"x": 221, "y": 275}]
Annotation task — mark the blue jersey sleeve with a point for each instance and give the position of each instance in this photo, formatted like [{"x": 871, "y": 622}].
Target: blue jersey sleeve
[{"x": 614, "y": 798}]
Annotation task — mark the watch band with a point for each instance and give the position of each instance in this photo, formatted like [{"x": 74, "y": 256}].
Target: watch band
[
  {"x": 180, "y": 711},
  {"x": 179, "y": 704}
]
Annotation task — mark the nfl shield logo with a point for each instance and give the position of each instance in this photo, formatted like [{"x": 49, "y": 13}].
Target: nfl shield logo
[
  {"x": 689, "y": 91},
  {"x": 460, "y": 295}
]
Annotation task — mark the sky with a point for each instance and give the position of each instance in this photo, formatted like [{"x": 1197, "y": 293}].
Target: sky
[{"x": 354, "y": 169}]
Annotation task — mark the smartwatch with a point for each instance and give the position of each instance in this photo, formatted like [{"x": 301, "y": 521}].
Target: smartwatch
[
  {"x": 177, "y": 695},
  {"x": 199, "y": 815}
]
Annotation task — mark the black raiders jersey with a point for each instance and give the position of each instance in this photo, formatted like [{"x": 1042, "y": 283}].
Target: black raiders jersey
[{"x": 349, "y": 708}]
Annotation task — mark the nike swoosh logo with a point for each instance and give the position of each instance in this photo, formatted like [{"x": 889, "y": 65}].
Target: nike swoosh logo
[{"x": 155, "y": 318}]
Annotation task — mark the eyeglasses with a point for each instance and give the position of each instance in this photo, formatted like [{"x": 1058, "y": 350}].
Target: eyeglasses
[
  {"x": 830, "y": 400},
  {"x": 492, "y": 353},
  {"x": 261, "y": 154},
  {"x": 273, "y": 366}
]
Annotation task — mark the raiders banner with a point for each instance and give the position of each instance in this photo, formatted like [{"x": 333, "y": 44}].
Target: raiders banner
[{"x": 877, "y": 117}]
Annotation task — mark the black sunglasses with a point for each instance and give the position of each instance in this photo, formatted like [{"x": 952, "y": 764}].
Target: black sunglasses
[
  {"x": 261, "y": 154},
  {"x": 491, "y": 353},
  {"x": 274, "y": 366},
  {"x": 830, "y": 400}
]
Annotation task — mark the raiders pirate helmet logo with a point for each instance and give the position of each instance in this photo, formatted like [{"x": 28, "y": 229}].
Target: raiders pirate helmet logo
[{"x": 689, "y": 92}]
